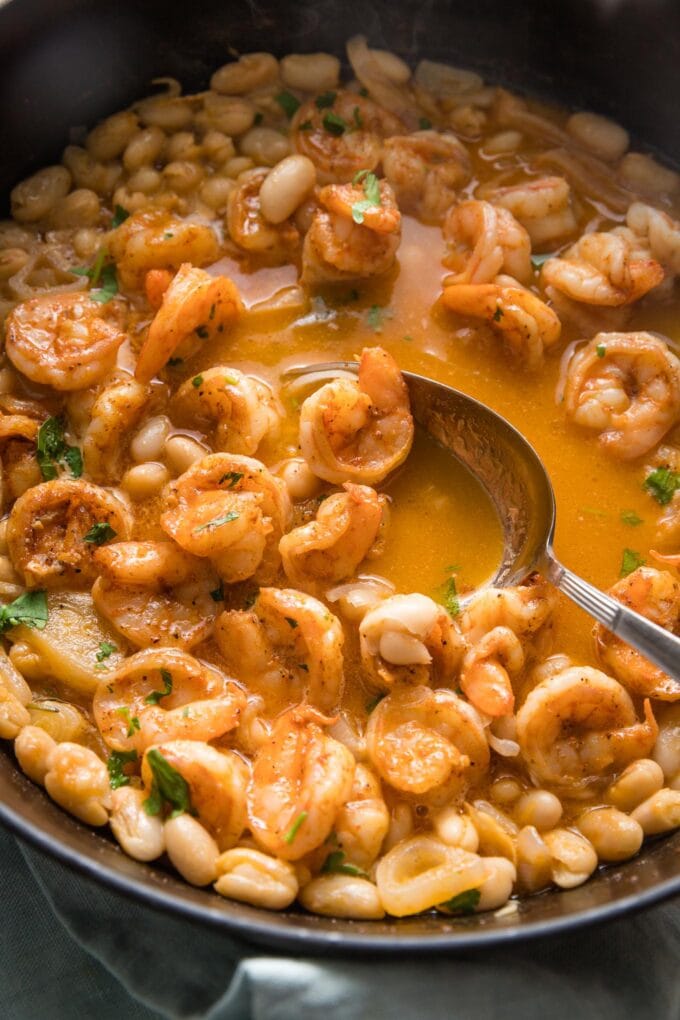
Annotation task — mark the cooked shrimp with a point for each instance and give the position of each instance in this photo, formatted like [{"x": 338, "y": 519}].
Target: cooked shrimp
[
  {"x": 343, "y": 136},
  {"x": 420, "y": 740},
  {"x": 487, "y": 668},
  {"x": 231, "y": 510},
  {"x": 542, "y": 205},
  {"x": 249, "y": 229},
  {"x": 48, "y": 527},
  {"x": 154, "y": 239},
  {"x": 655, "y": 594},
  {"x": 578, "y": 727},
  {"x": 603, "y": 269},
  {"x": 154, "y": 593},
  {"x": 116, "y": 411},
  {"x": 301, "y": 778},
  {"x": 484, "y": 241},
  {"x": 426, "y": 169},
  {"x": 339, "y": 247},
  {"x": 362, "y": 822},
  {"x": 237, "y": 410},
  {"x": 67, "y": 341},
  {"x": 195, "y": 302},
  {"x": 217, "y": 781},
  {"x": 20, "y": 470},
  {"x": 331, "y": 547},
  {"x": 524, "y": 608},
  {"x": 288, "y": 647},
  {"x": 525, "y": 324},
  {"x": 358, "y": 431},
  {"x": 410, "y": 638},
  {"x": 659, "y": 232},
  {"x": 626, "y": 387},
  {"x": 165, "y": 694}
]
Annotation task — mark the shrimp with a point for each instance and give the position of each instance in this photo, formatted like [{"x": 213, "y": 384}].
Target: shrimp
[
  {"x": 426, "y": 169},
  {"x": 20, "y": 470},
  {"x": 358, "y": 431},
  {"x": 484, "y": 241},
  {"x": 165, "y": 694},
  {"x": 525, "y": 608},
  {"x": 409, "y": 638},
  {"x": 195, "y": 302},
  {"x": 331, "y": 547},
  {"x": 658, "y": 232},
  {"x": 154, "y": 593},
  {"x": 340, "y": 247},
  {"x": 66, "y": 341},
  {"x": 238, "y": 411},
  {"x": 420, "y": 740},
  {"x": 116, "y": 411},
  {"x": 362, "y": 822},
  {"x": 231, "y": 510},
  {"x": 217, "y": 782},
  {"x": 603, "y": 269},
  {"x": 542, "y": 205},
  {"x": 579, "y": 727},
  {"x": 526, "y": 325},
  {"x": 155, "y": 239},
  {"x": 48, "y": 528},
  {"x": 249, "y": 229},
  {"x": 289, "y": 646},
  {"x": 301, "y": 778},
  {"x": 487, "y": 668},
  {"x": 342, "y": 136},
  {"x": 655, "y": 594},
  {"x": 626, "y": 387}
]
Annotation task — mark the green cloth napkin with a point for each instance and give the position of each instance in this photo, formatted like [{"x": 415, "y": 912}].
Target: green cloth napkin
[{"x": 74, "y": 949}]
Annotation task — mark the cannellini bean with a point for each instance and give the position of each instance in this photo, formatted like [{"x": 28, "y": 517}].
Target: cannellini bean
[
  {"x": 310, "y": 72},
  {"x": 504, "y": 141},
  {"x": 145, "y": 480},
  {"x": 638, "y": 781},
  {"x": 539, "y": 808},
  {"x": 264, "y": 146},
  {"x": 666, "y": 750},
  {"x": 506, "y": 790},
  {"x": 422, "y": 872},
  {"x": 34, "y": 198},
  {"x": 13, "y": 715},
  {"x": 145, "y": 180},
  {"x": 60, "y": 719},
  {"x": 300, "y": 480},
  {"x": 218, "y": 146},
  {"x": 251, "y": 71},
  {"x": 79, "y": 782},
  {"x": 11, "y": 261},
  {"x": 615, "y": 836},
  {"x": 456, "y": 829},
  {"x": 228, "y": 114},
  {"x": 108, "y": 139},
  {"x": 191, "y": 849},
  {"x": 250, "y": 876},
  {"x": 182, "y": 175},
  {"x": 601, "y": 136},
  {"x": 79, "y": 209},
  {"x": 33, "y": 748},
  {"x": 183, "y": 451},
  {"x": 144, "y": 148},
  {"x": 286, "y": 186},
  {"x": 342, "y": 896},
  {"x": 169, "y": 112},
  {"x": 392, "y": 66},
  {"x": 534, "y": 862},
  {"x": 643, "y": 172},
  {"x": 182, "y": 145},
  {"x": 233, "y": 168},
  {"x": 496, "y": 888},
  {"x": 573, "y": 857},
  {"x": 659, "y": 813},
  {"x": 149, "y": 442},
  {"x": 86, "y": 242},
  {"x": 215, "y": 192},
  {"x": 90, "y": 173},
  {"x": 141, "y": 835}
]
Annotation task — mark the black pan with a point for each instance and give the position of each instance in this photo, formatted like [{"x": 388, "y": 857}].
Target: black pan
[{"x": 66, "y": 63}]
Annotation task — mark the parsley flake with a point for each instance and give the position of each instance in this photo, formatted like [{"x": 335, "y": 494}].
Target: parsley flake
[
  {"x": 464, "y": 902},
  {"x": 288, "y": 103},
  {"x": 115, "y": 764},
  {"x": 30, "y": 609},
  {"x": 358, "y": 119},
  {"x": 106, "y": 648},
  {"x": 233, "y": 477},
  {"x": 335, "y": 864},
  {"x": 374, "y": 318},
  {"x": 498, "y": 314},
  {"x": 99, "y": 533},
  {"x": 600, "y": 350},
  {"x": 295, "y": 828},
  {"x": 132, "y": 722},
  {"x": 217, "y": 522},
  {"x": 334, "y": 124},
  {"x": 630, "y": 561},
  {"x": 155, "y": 696},
  {"x": 630, "y": 518},
  {"x": 449, "y": 596},
  {"x": 52, "y": 450},
  {"x": 662, "y": 484},
  {"x": 371, "y": 187},
  {"x": 196, "y": 381},
  {"x": 325, "y": 100},
  {"x": 119, "y": 216},
  {"x": 168, "y": 786},
  {"x": 293, "y": 624}
]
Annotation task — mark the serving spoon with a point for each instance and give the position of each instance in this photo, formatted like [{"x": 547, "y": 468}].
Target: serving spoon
[{"x": 514, "y": 478}]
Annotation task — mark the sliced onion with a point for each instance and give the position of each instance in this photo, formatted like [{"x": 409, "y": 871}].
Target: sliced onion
[
  {"x": 447, "y": 82},
  {"x": 398, "y": 99},
  {"x": 506, "y": 748}
]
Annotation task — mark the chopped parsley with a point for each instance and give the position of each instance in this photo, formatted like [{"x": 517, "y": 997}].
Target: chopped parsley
[
  {"x": 196, "y": 381},
  {"x": 99, "y": 533},
  {"x": 119, "y": 216},
  {"x": 464, "y": 902},
  {"x": 293, "y": 624},
  {"x": 233, "y": 477},
  {"x": 630, "y": 518},
  {"x": 325, "y": 100},
  {"x": 288, "y": 103},
  {"x": 630, "y": 561},
  {"x": 217, "y": 522},
  {"x": 303, "y": 666},
  {"x": 334, "y": 124},
  {"x": 374, "y": 702},
  {"x": 218, "y": 594},
  {"x": 424, "y": 124},
  {"x": 52, "y": 450},
  {"x": 106, "y": 648},
  {"x": 168, "y": 786},
  {"x": 117, "y": 761},
  {"x": 374, "y": 318},
  {"x": 295, "y": 828},
  {"x": 371, "y": 187},
  {"x": 102, "y": 273},
  {"x": 155, "y": 696},
  {"x": 132, "y": 722},
  {"x": 449, "y": 596},
  {"x": 358, "y": 119},
  {"x": 30, "y": 609},
  {"x": 600, "y": 350},
  {"x": 335, "y": 864},
  {"x": 662, "y": 484},
  {"x": 498, "y": 314}
]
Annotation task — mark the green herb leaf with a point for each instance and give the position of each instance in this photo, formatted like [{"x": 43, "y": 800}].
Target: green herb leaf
[
  {"x": 630, "y": 518},
  {"x": 293, "y": 624},
  {"x": 358, "y": 119},
  {"x": 374, "y": 318},
  {"x": 132, "y": 722},
  {"x": 288, "y": 103},
  {"x": 168, "y": 785},
  {"x": 424, "y": 124},
  {"x": 464, "y": 902},
  {"x": 73, "y": 459},
  {"x": 52, "y": 450},
  {"x": 295, "y": 828},
  {"x": 30, "y": 609},
  {"x": 106, "y": 648},
  {"x": 662, "y": 484},
  {"x": 335, "y": 864},
  {"x": 119, "y": 216},
  {"x": 218, "y": 594},
  {"x": 233, "y": 477},
  {"x": 325, "y": 100},
  {"x": 449, "y": 596},
  {"x": 371, "y": 191},
  {"x": 99, "y": 533},
  {"x": 115, "y": 764},
  {"x": 630, "y": 561},
  {"x": 196, "y": 381},
  {"x": 334, "y": 124},
  {"x": 217, "y": 522},
  {"x": 498, "y": 314},
  {"x": 109, "y": 287},
  {"x": 600, "y": 350},
  {"x": 360, "y": 208},
  {"x": 155, "y": 696}
]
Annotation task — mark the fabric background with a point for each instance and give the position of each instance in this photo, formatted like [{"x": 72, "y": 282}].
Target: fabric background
[{"x": 73, "y": 949}]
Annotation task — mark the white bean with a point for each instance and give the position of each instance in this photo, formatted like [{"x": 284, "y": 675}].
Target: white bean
[
  {"x": 191, "y": 849},
  {"x": 233, "y": 168},
  {"x": 144, "y": 148},
  {"x": 33, "y": 198},
  {"x": 141, "y": 835},
  {"x": 310, "y": 72},
  {"x": 615, "y": 836},
  {"x": 145, "y": 480},
  {"x": 643, "y": 172},
  {"x": 496, "y": 888},
  {"x": 539, "y": 808},
  {"x": 659, "y": 813},
  {"x": 456, "y": 829},
  {"x": 149, "y": 441},
  {"x": 534, "y": 862},
  {"x": 638, "y": 781},
  {"x": 146, "y": 179},
  {"x": 599, "y": 135},
  {"x": 504, "y": 141},
  {"x": 230, "y": 115},
  {"x": 183, "y": 451},
  {"x": 264, "y": 146},
  {"x": 11, "y": 261},
  {"x": 342, "y": 896},
  {"x": 285, "y": 187},
  {"x": 79, "y": 782},
  {"x": 248, "y": 875},
  {"x": 33, "y": 748},
  {"x": 392, "y": 66},
  {"x": 108, "y": 139},
  {"x": 249, "y": 72},
  {"x": 79, "y": 209},
  {"x": 573, "y": 857}
]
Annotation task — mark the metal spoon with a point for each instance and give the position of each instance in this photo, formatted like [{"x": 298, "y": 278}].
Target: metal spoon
[{"x": 517, "y": 483}]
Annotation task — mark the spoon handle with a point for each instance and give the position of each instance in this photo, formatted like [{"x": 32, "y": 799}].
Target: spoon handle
[{"x": 654, "y": 642}]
